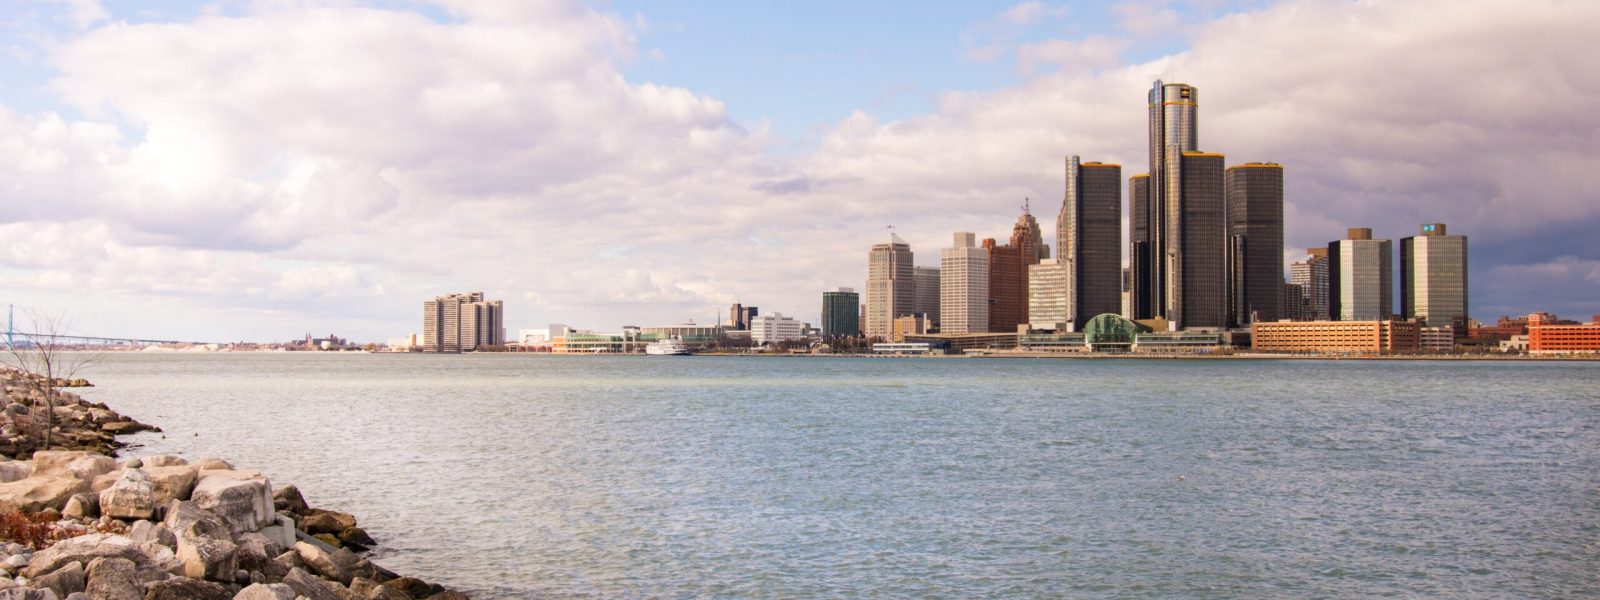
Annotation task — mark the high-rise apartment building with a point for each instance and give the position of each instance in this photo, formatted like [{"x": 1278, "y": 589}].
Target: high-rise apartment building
[
  {"x": 927, "y": 304},
  {"x": 841, "y": 313},
  {"x": 891, "y": 286},
  {"x": 462, "y": 323},
  {"x": 1089, "y": 239},
  {"x": 1433, "y": 278},
  {"x": 1361, "y": 277},
  {"x": 1255, "y": 243},
  {"x": 1311, "y": 275},
  {"x": 1049, "y": 300},
  {"x": 1008, "y": 287},
  {"x": 963, "y": 287}
]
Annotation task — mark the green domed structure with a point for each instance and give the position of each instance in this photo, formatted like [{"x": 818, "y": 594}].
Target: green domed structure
[{"x": 1111, "y": 332}]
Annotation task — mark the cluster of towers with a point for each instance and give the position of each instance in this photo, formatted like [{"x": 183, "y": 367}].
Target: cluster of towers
[{"x": 1204, "y": 248}]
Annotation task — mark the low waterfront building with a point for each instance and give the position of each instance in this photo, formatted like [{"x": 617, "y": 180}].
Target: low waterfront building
[
  {"x": 775, "y": 328},
  {"x": 590, "y": 342},
  {"x": 1515, "y": 344},
  {"x": 692, "y": 335},
  {"x": 1437, "y": 339},
  {"x": 1336, "y": 337},
  {"x": 1053, "y": 341},
  {"x": 967, "y": 341},
  {"x": 1178, "y": 342},
  {"x": 1547, "y": 337},
  {"x": 902, "y": 348}
]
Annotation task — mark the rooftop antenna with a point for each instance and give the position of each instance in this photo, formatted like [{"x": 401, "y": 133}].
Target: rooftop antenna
[{"x": 1025, "y": 206}]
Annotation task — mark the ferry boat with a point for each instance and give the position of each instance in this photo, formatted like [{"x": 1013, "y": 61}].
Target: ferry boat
[{"x": 667, "y": 347}]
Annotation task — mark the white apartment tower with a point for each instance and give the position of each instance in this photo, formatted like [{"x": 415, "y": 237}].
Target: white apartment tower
[{"x": 964, "y": 286}]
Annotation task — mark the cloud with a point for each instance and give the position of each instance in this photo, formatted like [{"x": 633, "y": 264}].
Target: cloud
[{"x": 275, "y": 169}]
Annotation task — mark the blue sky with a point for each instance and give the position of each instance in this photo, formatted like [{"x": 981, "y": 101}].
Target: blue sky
[{"x": 256, "y": 170}]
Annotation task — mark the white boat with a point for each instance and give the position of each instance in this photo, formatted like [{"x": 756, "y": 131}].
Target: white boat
[{"x": 667, "y": 347}]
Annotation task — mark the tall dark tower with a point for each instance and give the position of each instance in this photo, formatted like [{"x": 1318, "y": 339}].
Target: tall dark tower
[
  {"x": 1197, "y": 276},
  {"x": 1157, "y": 281},
  {"x": 1141, "y": 265},
  {"x": 1089, "y": 238},
  {"x": 1255, "y": 243}
]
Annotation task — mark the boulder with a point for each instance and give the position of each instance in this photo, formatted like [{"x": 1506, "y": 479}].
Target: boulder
[
  {"x": 413, "y": 587},
  {"x": 164, "y": 460},
  {"x": 326, "y": 521},
  {"x": 39, "y": 492},
  {"x": 161, "y": 557},
  {"x": 56, "y": 461},
  {"x": 83, "y": 549},
  {"x": 267, "y": 591},
  {"x": 146, "y": 531},
  {"x": 114, "y": 579},
  {"x": 322, "y": 562},
  {"x": 242, "y": 498},
  {"x": 123, "y": 427},
  {"x": 315, "y": 588},
  {"x": 63, "y": 581},
  {"x": 13, "y": 470},
  {"x": 282, "y": 532},
  {"x": 22, "y": 593},
  {"x": 357, "y": 537},
  {"x": 174, "y": 482},
  {"x": 372, "y": 590},
  {"x": 214, "y": 464},
  {"x": 328, "y": 538},
  {"x": 89, "y": 467},
  {"x": 288, "y": 499},
  {"x": 131, "y": 497},
  {"x": 79, "y": 506},
  {"x": 205, "y": 542},
  {"x": 104, "y": 481},
  {"x": 184, "y": 588}
]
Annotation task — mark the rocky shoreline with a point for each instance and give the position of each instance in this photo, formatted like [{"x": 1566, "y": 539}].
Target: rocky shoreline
[{"x": 78, "y": 524}]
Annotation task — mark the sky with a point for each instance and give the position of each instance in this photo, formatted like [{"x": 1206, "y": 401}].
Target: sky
[{"x": 224, "y": 171}]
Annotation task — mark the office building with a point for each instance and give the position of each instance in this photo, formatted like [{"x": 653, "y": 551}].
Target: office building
[
  {"x": 1049, "y": 299},
  {"x": 1292, "y": 303},
  {"x": 916, "y": 324},
  {"x": 462, "y": 323},
  {"x": 1433, "y": 277},
  {"x": 891, "y": 286},
  {"x": 1089, "y": 239},
  {"x": 1360, "y": 277},
  {"x": 1255, "y": 243},
  {"x": 1345, "y": 337},
  {"x": 1311, "y": 275},
  {"x": 841, "y": 313},
  {"x": 739, "y": 316},
  {"x": 774, "y": 328},
  {"x": 1141, "y": 261},
  {"x": 963, "y": 287},
  {"x": 1007, "y": 287},
  {"x": 1436, "y": 338},
  {"x": 927, "y": 303}
]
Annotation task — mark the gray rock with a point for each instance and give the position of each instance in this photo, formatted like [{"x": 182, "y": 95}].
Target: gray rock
[
  {"x": 266, "y": 591},
  {"x": 79, "y": 596},
  {"x": 40, "y": 491},
  {"x": 21, "y": 593},
  {"x": 133, "y": 496},
  {"x": 321, "y": 562},
  {"x": 259, "y": 544},
  {"x": 242, "y": 498},
  {"x": 63, "y": 581},
  {"x": 282, "y": 531},
  {"x": 132, "y": 463},
  {"x": 173, "y": 482},
  {"x": 14, "y": 470},
  {"x": 315, "y": 588},
  {"x": 114, "y": 579},
  {"x": 184, "y": 588},
  {"x": 84, "y": 549},
  {"x": 81, "y": 506},
  {"x": 89, "y": 467},
  {"x": 15, "y": 562},
  {"x": 162, "y": 557},
  {"x": 205, "y": 542}
]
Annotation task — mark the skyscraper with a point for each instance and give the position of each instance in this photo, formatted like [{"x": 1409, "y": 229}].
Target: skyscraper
[
  {"x": 963, "y": 287},
  {"x": 841, "y": 315},
  {"x": 891, "y": 286},
  {"x": 1360, "y": 277},
  {"x": 1255, "y": 243},
  {"x": 1089, "y": 239},
  {"x": 927, "y": 304},
  {"x": 1008, "y": 287},
  {"x": 1433, "y": 278},
  {"x": 1157, "y": 199},
  {"x": 1196, "y": 276},
  {"x": 1141, "y": 257},
  {"x": 1311, "y": 275}
]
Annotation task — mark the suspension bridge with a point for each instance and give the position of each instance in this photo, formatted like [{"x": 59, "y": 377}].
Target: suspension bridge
[{"x": 25, "y": 339}]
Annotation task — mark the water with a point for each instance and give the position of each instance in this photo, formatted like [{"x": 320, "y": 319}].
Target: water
[{"x": 546, "y": 476}]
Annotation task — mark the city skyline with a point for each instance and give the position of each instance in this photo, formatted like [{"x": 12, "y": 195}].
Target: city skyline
[{"x": 154, "y": 194}]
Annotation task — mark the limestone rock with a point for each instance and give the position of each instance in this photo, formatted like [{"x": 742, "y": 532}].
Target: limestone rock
[
  {"x": 321, "y": 562},
  {"x": 205, "y": 542},
  {"x": 105, "y": 481},
  {"x": 271, "y": 591},
  {"x": 214, "y": 464},
  {"x": 288, "y": 499},
  {"x": 83, "y": 549},
  {"x": 174, "y": 482},
  {"x": 63, "y": 581},
  {"x": 85, "y": 505},
  {"x": 326, "y": 521},
  {"x": 184, "y": 588},
  {"x": 89, "y": 467},
  {"x": 40, "y": 491},
  {"x": 282, "y": 532},
  {"x": 56, "y": 461},
  {"x": 314, "y": 588},
  {"x": 131, "y": 497},
  {"x": 113, "y": 579},
  {"x": 13, "y": 470},
  {"x": 164, "y": 460},
  {"x": 242, "y": 498},
  {"x": 146, "y": 531},
  {"x": 162, "y": 557}
]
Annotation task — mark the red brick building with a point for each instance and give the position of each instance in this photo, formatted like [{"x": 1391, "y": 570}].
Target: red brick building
[{"x": 1547, "y": 335}]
